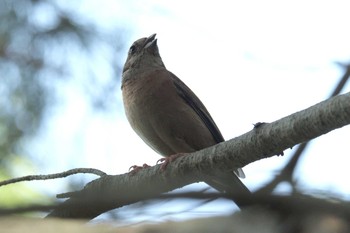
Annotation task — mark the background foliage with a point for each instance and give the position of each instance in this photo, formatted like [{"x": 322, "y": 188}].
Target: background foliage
[{"x": 45, "y": 47}]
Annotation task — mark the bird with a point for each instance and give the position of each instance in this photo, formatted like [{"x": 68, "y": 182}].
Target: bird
[{"x": 166, "y": 113}]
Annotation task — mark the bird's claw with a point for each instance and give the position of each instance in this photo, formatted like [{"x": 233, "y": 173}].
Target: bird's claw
[
  {"x": 135, "y": 168},
  {"x": 167, "y": 160}
]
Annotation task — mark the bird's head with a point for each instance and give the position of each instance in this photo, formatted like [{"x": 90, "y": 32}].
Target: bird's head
[{"x": 143, "y": 55}]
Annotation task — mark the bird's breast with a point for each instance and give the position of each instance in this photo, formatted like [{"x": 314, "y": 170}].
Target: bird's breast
[
  {"x": 161, "y": 117},
  {"x": 147, "y": 103}
]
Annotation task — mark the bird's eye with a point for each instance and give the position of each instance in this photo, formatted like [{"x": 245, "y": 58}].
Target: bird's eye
[{"x": 132, "y": 49}]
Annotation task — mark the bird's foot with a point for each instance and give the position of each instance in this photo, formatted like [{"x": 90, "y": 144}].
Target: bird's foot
[
  {"x": 135, "y": 169},
  {"x": 169, "y": 159}
]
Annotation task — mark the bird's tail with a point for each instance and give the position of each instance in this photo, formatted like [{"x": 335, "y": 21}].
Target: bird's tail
[{"x": 228, "y": 183}]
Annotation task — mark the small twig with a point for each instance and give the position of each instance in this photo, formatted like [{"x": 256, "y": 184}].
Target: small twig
[{"x": 53, "y": 176}]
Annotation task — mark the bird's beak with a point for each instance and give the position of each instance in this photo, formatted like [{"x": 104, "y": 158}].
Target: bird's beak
[{"x": 150, "y": 41}]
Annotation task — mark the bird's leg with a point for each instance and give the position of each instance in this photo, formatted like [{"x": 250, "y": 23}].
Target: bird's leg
[
  {"x": 135, "y": 168},
  {"x": 169, "y": 159}
]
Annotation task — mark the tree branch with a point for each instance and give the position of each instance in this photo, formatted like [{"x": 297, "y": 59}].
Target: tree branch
[
  {"x": 287, "y": 172},
  {"x": 109, "y": 192}
]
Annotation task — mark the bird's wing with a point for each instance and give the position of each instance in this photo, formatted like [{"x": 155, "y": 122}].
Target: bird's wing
[{"x": 192, "y": 100}]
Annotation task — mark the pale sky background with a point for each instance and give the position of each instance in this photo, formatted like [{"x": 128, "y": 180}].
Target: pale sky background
[{"x": 248, "y": 61}]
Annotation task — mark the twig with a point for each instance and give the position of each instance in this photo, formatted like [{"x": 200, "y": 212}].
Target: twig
[{"x": 53, "y": 176}]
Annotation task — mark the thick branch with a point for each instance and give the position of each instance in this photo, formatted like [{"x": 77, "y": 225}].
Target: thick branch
[{"x": 111, "y": 192}]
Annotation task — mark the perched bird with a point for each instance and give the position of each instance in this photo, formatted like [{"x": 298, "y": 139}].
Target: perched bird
[{"x": 166, "y": 114}]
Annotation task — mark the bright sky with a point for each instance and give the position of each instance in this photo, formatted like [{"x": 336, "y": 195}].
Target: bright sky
[{"x": 248, "y": 61}]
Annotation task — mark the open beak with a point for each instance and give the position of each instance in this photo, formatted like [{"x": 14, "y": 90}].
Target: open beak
[{"x": 150, "y": 41}]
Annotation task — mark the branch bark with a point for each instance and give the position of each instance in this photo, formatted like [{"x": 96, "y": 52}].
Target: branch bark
[{"x": 267, "y": 140}]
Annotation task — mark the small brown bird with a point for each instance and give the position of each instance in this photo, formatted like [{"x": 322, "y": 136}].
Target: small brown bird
[{"x": 166, "y": 114}]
